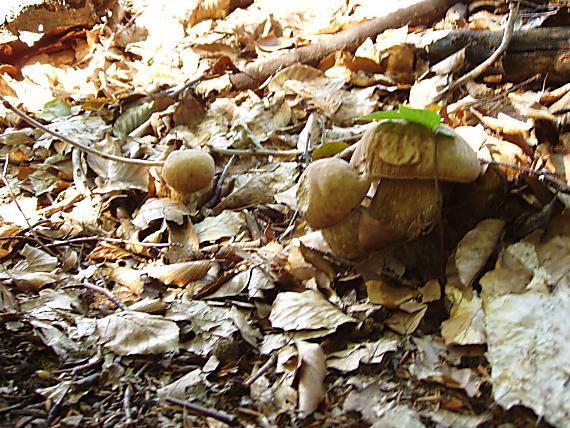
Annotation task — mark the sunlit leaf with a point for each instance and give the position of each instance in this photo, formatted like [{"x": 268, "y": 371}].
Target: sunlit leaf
[{"x": 55, "y": 108}]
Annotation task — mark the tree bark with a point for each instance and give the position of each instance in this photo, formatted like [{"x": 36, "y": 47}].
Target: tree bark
[{"x": 544, "y": 51}]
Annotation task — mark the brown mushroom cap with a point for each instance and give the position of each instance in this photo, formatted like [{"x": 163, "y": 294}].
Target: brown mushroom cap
[
  {"x": 406, "y": 150},
  {"x": 328, "y": 191},
  {"x": 188, "y": 171}
]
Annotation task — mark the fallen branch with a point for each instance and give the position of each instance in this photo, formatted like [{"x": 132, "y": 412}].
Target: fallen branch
[
  {"x": 419, "y": 13},
  {"x": 538, "y": 51}
]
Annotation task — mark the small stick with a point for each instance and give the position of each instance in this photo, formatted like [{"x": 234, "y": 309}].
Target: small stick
[
  {"x": 262, "y": 370},
  {"x": 213, "y": 201},
  {"x": 90, "y": 150},
  {"x": 504, "y": 94},
  {"x": 102, "y": 291},
  {"x": 112, "y": 240},
  {"x": 541, "y": 173},
  {"x": 247, "y": 245},
  {"x": 477, "y": 71},
  {"x": 257, "y": 152},
  {"x": 204, "y": 411}
]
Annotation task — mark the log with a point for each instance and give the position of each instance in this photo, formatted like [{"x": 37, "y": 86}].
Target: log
[
  {"x": 421, "y": 12},
  {"x": 544, "y": 51}
]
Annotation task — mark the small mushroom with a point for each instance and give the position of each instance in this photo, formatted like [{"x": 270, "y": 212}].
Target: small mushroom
[
  {"x": 188, "y": 171},
  {"x": 407, "y": 150},
  {"x": 329, "y": 190}
]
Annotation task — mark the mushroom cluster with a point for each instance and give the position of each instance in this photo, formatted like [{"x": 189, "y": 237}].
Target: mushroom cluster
[{"x": 401, "y": 161}]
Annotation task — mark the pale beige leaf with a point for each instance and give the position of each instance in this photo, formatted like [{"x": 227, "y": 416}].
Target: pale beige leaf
[
  {"x": 14, "y": 211},
  {"x": 366, "y": 353},
  {"x": 306, "y": 310},
  {"x": 529, "y": 350},
  {"x": 311, "y": 376},
  {"x": 32, "y": 281},
  {"x": 466, "y": 324},
  {"x": 177, "y": 389},
  {"x": 38, "y": 260},
  {"x": 228, "y": 224},
  {"x": 155, "y": 209},
  {"x": 128, "y": 333},
  {"x": 476, "y": 247},
  {"x": 458, "y": 420}
]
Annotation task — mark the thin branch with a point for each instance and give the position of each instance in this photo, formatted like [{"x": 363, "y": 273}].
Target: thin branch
[
  {"x": 112, "y": 240},
  {"x": 505, "y": 93},
  {"x": 204, "y": 411},
  {"x": 477, "y": 71},
  {"x": 541, "y": 173},
  {"x": 256, "y": 152},
  {"x": 213, "y": 201},
  {"x": 102, "y": 291},
  {"x": 262, "y": 370},
  {"x": 87, "y": 149}
]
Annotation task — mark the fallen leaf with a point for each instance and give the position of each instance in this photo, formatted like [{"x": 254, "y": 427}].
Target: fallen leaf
[
  {"x": 312, "y": 374},
  {"x": 128, "y": 333},
  {"x": 306, "y": 310}
]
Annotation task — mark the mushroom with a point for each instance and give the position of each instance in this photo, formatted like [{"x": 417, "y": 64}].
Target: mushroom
[
  {"x": 187, "y": 171},
  {"x": 329, "y": 190},
  {"x": 408, "y": 150},
  {"x": 400, "y": 158}
]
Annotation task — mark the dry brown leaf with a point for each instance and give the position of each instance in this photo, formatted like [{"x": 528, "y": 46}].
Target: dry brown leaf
[
  {"x": 306, "y": 310},
  {"x": 406, "y": 323},
  {"x": 312, "y": 374},
  {"x": 128, "y": 333},
  {"x": 476, "y": 247},
  {"x": 180, "y": 274}
]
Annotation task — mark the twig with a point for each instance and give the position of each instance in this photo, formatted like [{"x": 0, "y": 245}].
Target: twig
[
  {"x": 213, "y": 201},
  {"x": 102, "y": 291},
  {"x": 87, "y": 149},
  {"x": 262, "y": 370},
  {"x": 505, "y": 93},
  {"x": 112, "y": 240},
  {"x": 477, "y": 71},
  {"x": 204, "y": 411},
  {"x": 227, "y": 248},
  {"x": 290, "y": 227},
  {"x": 541, "y": 173},
  {"x": 256, "y": 152}
]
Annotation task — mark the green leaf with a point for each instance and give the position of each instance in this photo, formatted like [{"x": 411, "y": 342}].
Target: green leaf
[
  {"x": 328, "y": 150},
  {"x": 427, "y": 118},
  {"x": 57, "y": 107},
  {"x": 132, "y": 118}
]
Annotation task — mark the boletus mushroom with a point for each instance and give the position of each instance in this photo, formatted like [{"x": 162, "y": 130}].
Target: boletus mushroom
[
  {"x": 187, "y": 171},
  {"x": 408, "y": 150},
  {"x": 401, "y": 158},
  {"x": 329, "y": 189}
]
